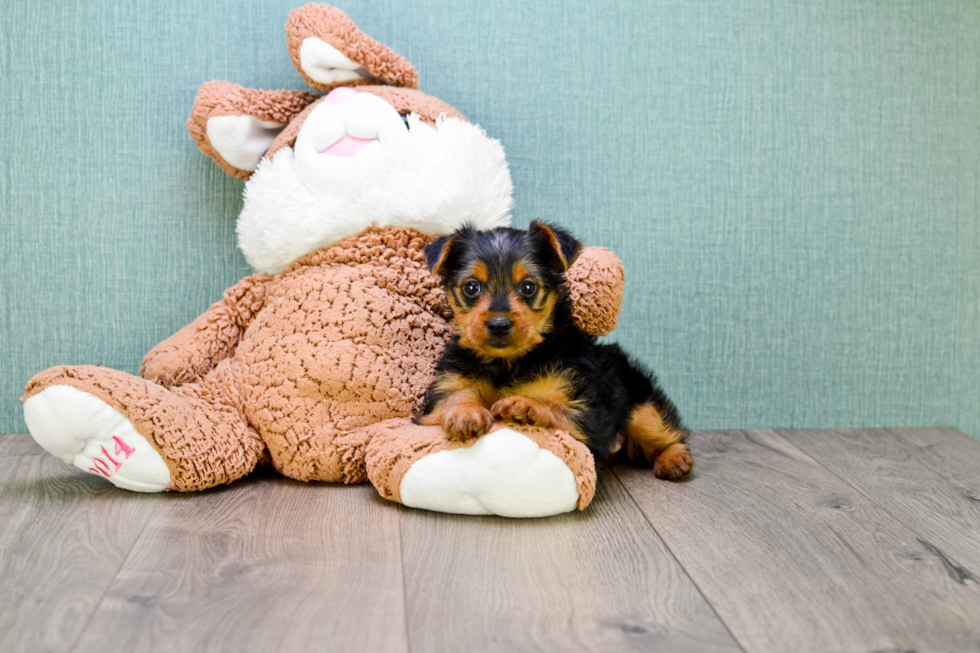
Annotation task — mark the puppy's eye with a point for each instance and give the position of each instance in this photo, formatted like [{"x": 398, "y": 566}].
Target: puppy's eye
[
  {"x": 471, "y": 288},
  {"x": 527, "y": 288}
]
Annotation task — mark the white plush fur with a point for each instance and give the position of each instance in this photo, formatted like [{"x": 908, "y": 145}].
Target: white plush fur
[
  {"x": 242, "y": 140},
  {"x": 78, "y": 428},
  {"x": 431, "y": 178},
  {"x": 326, "y": 64},
  {"x": 503, "y": 473}
]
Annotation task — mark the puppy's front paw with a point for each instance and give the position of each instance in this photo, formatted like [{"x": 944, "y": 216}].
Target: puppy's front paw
[
  {"x": 673, "y": 463},
  {"x": 523, "y": 410},
  {"x": 466, "y": 422}
]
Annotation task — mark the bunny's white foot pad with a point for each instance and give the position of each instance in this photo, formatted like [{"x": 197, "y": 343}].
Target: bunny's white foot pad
[
  {"x": 503, "y": 473},
  {"x": 86, "y": 432}
]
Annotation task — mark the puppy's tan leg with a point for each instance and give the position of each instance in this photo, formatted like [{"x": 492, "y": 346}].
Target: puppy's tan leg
[
  {"x": 651, "y": 440},
  {"x": 526, "y": 410},
  {"x": 461, "y": 415},
  {"x": 545, "y": 401}
]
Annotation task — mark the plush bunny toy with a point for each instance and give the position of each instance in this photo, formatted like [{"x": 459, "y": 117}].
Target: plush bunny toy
[{"x": 315, "y": 363}]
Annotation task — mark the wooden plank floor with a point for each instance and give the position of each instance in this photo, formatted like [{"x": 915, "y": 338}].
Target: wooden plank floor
[{"x": 857, "y": 540}]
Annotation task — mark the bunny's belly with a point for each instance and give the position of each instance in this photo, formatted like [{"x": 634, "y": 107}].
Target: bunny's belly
[{"x": 337, "y": 348}]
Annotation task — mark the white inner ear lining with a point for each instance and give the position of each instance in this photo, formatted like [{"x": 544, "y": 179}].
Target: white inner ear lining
[
  {"x": 325, "y": 64},
  {"x": 242, "y": 140}
]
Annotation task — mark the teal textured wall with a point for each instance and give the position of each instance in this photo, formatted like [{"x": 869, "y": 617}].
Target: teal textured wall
[{"x": 793, "y": 187}]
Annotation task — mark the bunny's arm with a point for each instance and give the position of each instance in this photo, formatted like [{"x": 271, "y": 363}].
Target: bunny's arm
[
  {"x": 197, "y": 348},
  {"x": 595, "y": 284}
]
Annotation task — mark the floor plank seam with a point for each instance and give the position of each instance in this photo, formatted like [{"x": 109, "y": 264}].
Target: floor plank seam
[
  {"x": 401, "y": 556},
  {"x": 679, "y": 563},
  {"x": 923, "y": 538},
  {"x": 112, "y": 582}
]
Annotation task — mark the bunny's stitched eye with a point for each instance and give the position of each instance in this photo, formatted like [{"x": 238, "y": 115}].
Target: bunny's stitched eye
[
  {"x": 471, "y": 288},
  {"x": 527, "y": 288}
]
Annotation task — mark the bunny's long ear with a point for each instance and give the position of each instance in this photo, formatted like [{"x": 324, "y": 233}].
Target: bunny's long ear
[
  {"x": 235, "y": 125},
  {"x": 329, "y": 51}
]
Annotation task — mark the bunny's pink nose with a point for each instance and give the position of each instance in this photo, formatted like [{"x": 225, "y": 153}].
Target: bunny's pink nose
[{"x": 341, "y": 95}]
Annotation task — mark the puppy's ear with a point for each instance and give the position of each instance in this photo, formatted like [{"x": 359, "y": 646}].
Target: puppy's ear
[
  {"x": 437, "y": 254},
  {"x": 555, "y": 246}
]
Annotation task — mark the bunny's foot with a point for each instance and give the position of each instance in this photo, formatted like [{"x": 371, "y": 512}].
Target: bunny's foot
[
  {"x": 142, "y": 436},
  {"x": 84, "y": 431},
  {"x": 512, "y": 471}
]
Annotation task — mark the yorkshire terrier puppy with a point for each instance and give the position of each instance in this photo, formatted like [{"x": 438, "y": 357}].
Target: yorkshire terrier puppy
[{"x": 517, "y": 355}]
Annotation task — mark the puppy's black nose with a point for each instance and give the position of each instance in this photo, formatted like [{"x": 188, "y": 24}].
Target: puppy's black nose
[{"x": 499, "y": 325}]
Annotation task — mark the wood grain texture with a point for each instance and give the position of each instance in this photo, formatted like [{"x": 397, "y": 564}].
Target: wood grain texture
[
  {"x": 951, "y": 454},
  {"x": 932, "y": 487},
  {"x": 594, "y": 581},
  {"x": 63, "y": 536},
  {"x": 794, "y": 559},
  {"x": 19, "y": 444},
  {"x": 266, "y": 564},
  {"x": 861, "y": 546}
]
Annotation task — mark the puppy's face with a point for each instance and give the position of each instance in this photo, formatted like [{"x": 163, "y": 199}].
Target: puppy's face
[{"x": 503, "y": 285}]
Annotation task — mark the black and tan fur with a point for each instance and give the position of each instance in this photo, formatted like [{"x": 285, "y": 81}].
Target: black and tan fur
[{"x": 517, "y": 355}]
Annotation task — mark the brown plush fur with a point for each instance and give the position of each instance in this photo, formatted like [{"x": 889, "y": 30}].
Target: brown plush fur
[{"x": 220, "y": 98}]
